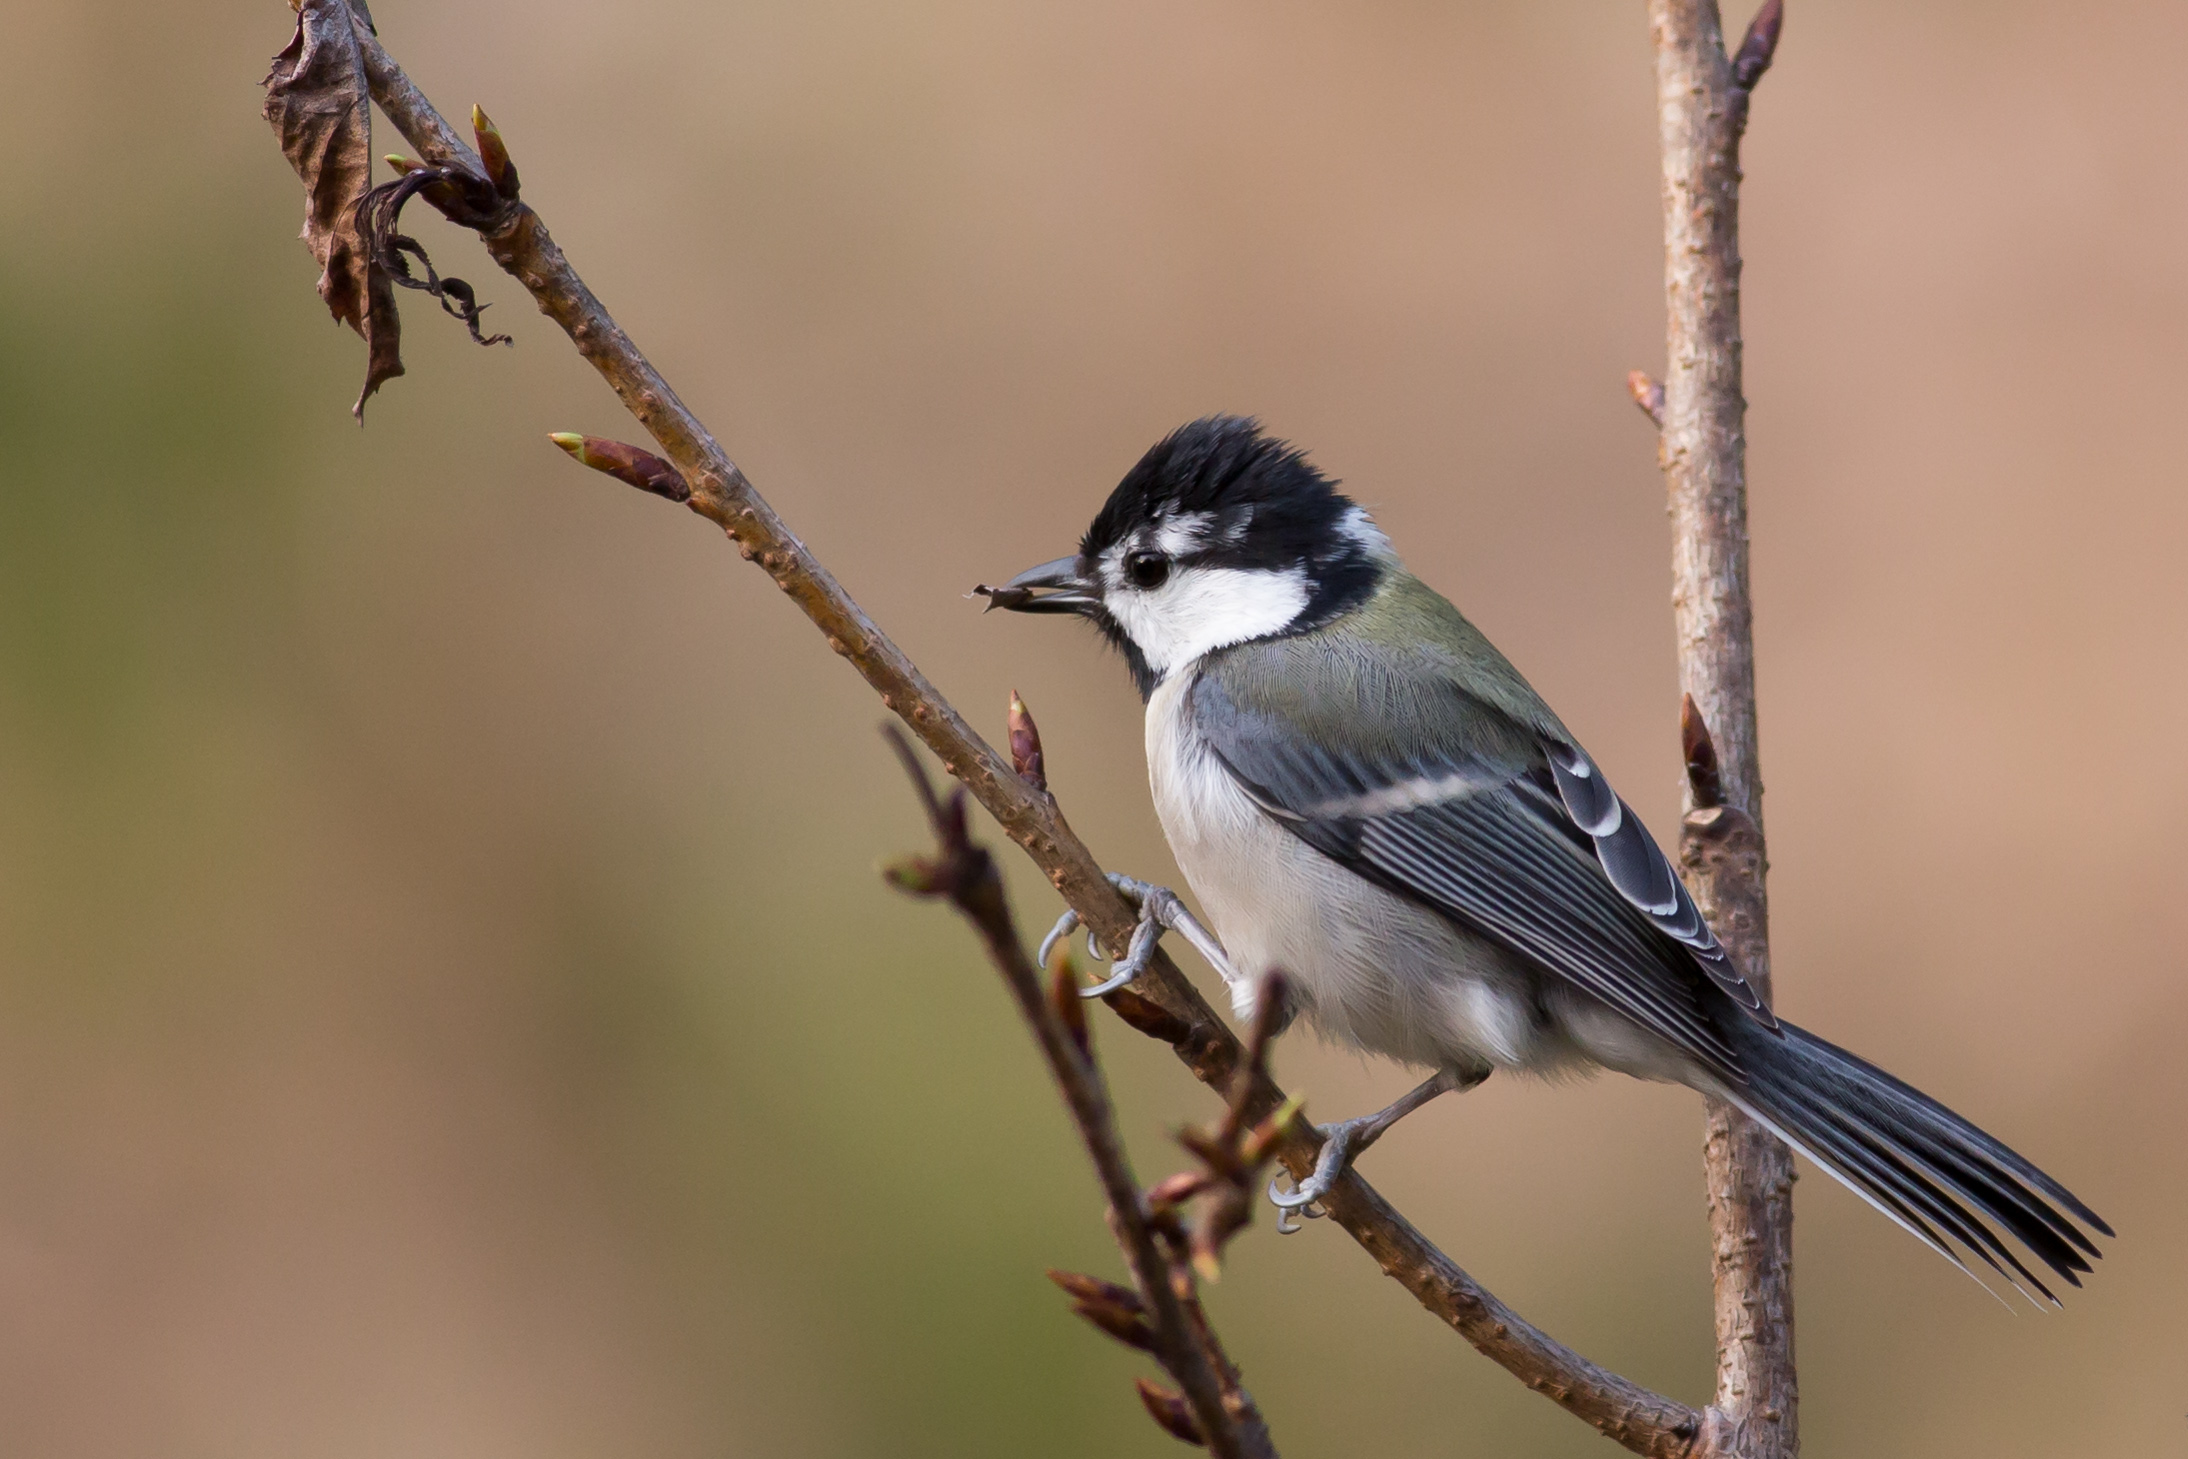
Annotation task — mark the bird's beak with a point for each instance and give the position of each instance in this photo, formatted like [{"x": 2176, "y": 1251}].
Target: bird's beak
[{"x": 1053, "y": 587}]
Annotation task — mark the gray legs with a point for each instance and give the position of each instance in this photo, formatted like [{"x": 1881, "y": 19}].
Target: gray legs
[
  {"x": 1161, "y": 911},
  {"x": 1343, "y": 1142}
]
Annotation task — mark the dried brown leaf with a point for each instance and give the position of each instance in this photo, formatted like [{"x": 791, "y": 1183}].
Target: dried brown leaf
[{"x": 317, "y": 102}]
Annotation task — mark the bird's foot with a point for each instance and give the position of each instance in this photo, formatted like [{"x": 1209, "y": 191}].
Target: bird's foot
[
  {"x": 1160, "y": 911},
  {"x": 1342, "y": 1143}
]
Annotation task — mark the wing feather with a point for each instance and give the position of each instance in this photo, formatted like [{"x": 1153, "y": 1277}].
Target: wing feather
[
  {"x": 1642, "y": 873},
  {"x": 1528, "y": 845}
]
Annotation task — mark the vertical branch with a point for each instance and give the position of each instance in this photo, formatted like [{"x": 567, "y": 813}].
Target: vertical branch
[
  {"x": 1749, "y": 1171},
  {"x": 1702, "y": 105},
  {"x": 1704, "y": 443}
]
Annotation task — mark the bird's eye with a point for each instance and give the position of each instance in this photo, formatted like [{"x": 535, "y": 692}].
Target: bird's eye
[{"x": 1147, "y": 569}]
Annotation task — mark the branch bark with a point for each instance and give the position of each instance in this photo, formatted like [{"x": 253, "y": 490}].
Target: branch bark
[{"x": 1702, "y": 108}]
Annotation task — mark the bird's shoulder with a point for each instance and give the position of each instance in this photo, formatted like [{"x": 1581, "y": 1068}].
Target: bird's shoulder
[{"x": 1403, "y": 679}]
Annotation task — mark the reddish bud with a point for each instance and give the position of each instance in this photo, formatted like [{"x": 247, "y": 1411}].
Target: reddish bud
[
  {"x": 1267, "y": 1135},
  {"x": 1758, "y": 45},
  {"x": 918, "y": 875},
  {"x": 1169, "y": 1408},
  {"x": 1145, "y": 1015},
  {"x": 1129, "y": 1328},
  {"x": 1221, "y": 1219},
  {"x": 627, "y": 464},
  {"x": 1703, "y": 780},
  {"x": 1176, "y": 1190},
  {"x": 1116, "y": 1310},
  {"x": 1063, "y": 996},
  {"x": 1025, "y": 745},
  {"x": 1087, "y": 1288},
  {"x": 1647, "y": 394},
  {"x": 495, "y": 154}
]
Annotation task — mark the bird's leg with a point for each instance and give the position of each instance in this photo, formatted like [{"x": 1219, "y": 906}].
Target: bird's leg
[
  {"x": 1160, "y": 910},
  {"x": 1343, "y": 1141}
]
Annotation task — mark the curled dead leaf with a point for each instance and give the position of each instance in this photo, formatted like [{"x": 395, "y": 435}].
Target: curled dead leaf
[
  {"x": 320, "y": 109},
  {"x": 379, "y": 214}
]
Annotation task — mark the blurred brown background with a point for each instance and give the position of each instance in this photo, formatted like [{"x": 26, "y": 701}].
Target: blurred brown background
[{"x": 446, "y": 1005}]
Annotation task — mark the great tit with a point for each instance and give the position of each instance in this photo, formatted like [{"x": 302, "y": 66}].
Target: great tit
[{"x": 1363, "y": 793}]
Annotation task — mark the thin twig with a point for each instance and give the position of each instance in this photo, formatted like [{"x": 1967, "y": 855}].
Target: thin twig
[
  {"x": 1645, "y": 1422},
  {"x": 1702, "y": 110},
  {"x": 965, "y": 873}
]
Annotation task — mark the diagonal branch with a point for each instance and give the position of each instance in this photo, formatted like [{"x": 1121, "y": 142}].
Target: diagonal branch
[{"x": 1644, "y": 1422}]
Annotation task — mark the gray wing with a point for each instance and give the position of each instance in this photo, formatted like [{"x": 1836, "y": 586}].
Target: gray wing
[{"x": 1512, "y": 833}]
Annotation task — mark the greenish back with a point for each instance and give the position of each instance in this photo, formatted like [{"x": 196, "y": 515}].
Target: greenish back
[{"x": 1403, "y": 673}]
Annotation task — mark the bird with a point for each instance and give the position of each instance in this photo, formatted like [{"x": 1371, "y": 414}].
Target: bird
[{"x": 1367, "y": 797}]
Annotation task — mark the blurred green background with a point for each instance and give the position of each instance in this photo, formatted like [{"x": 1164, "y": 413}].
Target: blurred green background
[{"x": 446, "y": 1004}]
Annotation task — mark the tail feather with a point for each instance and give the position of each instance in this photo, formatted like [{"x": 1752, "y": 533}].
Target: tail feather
[
  {"x": 1923, "y": 1138},
  {"x": 1874, "y": 1168},
  {"x": 1965, "y": 1136},
  {"x": 1912, "y": 1158}
]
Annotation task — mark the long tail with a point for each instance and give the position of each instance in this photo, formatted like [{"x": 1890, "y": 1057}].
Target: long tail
[{"x": 1912, "y": 1158}]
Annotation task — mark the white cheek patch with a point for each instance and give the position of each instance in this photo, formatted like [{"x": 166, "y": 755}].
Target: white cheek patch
[{"x": 1204, "y": 608}]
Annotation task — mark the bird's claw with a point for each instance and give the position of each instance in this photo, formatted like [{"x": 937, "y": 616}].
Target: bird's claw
[
  {"x": 1285, "y": 1225},
  {"x": 1056, "y": 934},
  {"x": 1160, "y": 910},
  {"x": 1343, "y": 1141},
  {"x": 1337, "y": 1152}
]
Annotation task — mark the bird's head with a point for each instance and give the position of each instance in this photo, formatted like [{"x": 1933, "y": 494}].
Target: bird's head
[{"x": 1220, "y": 535}]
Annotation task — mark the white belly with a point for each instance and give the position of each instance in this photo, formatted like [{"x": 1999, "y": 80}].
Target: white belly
[{"x": 1368, "y": 968}]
